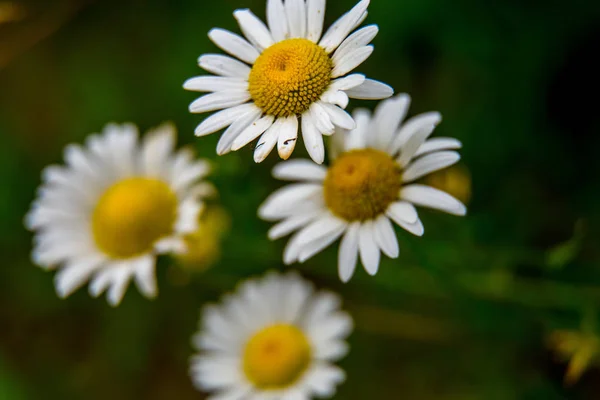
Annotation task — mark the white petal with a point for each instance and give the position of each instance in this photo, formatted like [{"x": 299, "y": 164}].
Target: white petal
[
  {"x": 348, "y": 252},
  {"x": 385, "y": 237},
  {"x": 358, "y": 39},
  {"x": 252, "y": 132},
  {"x": 371, "y": 90},
  {"x": 224, "y": 118},
  {"x": 277, "y": 20},
  {"x": 267, "y": 141},
  {"x": 337, "y": 97},
  {"x": 339, "y": 117},
  {"x": 347, "y": 82},
  {"x": 145, "y": 277},
  {"x": 320, "y": 228},
  {"x": 219, "y": 100},
  {"x": 315, "y": 17},
  {"x": 225, "y": 66},
  {"x": 426, "y": 196},
  {"x": 369, "y": 251},
  {"x": 414, "y": 133},
  {"x": 428, "y": 164},
  {"x": 254, "y": 29},
  {"x": 404, "y": 211},
  {"x": 295, "y": 11},
  {"x": 299, "y": 170},
  {"x": 291, "y": 224},
  {"x": 156, "y": 150},
  {"x": 438, "y": 144},
  {"x": 238, "y": 126},
  {"x": 316, "y": 246},
  {"x": 313, "y": 140},
  {"x": 387, "y": 118},
  {"x": 321, "y": 119},
  {"x": 343, "y": 26},
  {"x": 287, "y": 197},
  {"x": 234, "y": 44},
  {"x": 79, "y": 160},
  {"x": 351, "y": 60},
  {"x": 288, "y": 136},
  {"x": 75, "y": 274},
  {"x": 116, "y": 291},
  {"x": 415, "y": 228},
  {"x": 323, "y": 378},
  {"x": 359, "y": 137},
  {"x": 211, "y": 83}
]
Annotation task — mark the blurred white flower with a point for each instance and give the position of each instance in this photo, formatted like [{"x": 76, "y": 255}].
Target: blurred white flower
[
  {"x": 275, "y": 338},
  {"x": 116, "y": 204}
]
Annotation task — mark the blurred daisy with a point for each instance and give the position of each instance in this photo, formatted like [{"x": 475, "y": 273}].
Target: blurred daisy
[
  {"x": 116, "y": 204},
  {"x": 273, "y": 339},
  {"x": 455, "y": 181},
  {"x": 369, "y": 184},
  {"x": 203, "y": 246},
  {"x": 288, "y": 76}
]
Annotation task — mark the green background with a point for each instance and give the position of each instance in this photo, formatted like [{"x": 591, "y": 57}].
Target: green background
[{"x": 462, "y": 314}]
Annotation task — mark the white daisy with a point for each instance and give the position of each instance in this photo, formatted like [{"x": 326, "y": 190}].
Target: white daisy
[
  {"x": 287, "y": 72},
  {"x": 116, "y": 204},
  {"x": 370, "y": 182},
  {"x": 275, "y": 339}
]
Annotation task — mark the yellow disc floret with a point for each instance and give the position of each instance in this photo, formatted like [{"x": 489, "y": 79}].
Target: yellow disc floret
[
  {"x": 132, "y": 215},
  {"x": 289, "y": 76},
  {"x": 361, "y": 184},
  {"x": 276, "y": 356}
]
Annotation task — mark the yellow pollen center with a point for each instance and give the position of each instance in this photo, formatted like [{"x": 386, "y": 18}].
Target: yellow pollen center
[
  {"x": 132, "y": 215},
  {"x": 276, "y": 356},
  {"x": 289, "y": 76},
  {"x": 361, "y": 184}
]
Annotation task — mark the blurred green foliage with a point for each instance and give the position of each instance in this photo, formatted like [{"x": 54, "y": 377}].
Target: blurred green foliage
[{"x": 462, "y": 314}]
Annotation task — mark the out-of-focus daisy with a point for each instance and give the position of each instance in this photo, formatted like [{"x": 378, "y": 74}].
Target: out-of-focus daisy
[
  {"x": 116, "y": 204},
  {"x": 370, "y": 183},
  {"x": 203, "y": 246},
  {"x": 289, "y": 76},
  {"x": 275, "y": 338},
  {"x": 455, "y": 181}
]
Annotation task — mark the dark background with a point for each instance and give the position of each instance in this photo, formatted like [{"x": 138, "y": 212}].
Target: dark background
[{"x": 464, "y": 313}]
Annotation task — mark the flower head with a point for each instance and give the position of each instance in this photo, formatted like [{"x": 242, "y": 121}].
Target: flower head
[
  {"x": 116, "y": 204},
  {"x": 288, "y": 73},
  {"x": 275, "y": 338},
  {"x": 370, "y": 182}
]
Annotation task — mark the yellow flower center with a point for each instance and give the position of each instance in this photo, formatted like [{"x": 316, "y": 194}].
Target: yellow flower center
[
  {"x": 289, "y": 76},
  {"x": 132, "y": 215},
  {"x": 361, "y": 184},
  {"x": 276, "y": 356}
]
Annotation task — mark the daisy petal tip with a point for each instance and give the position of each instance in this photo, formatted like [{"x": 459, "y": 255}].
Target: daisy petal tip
[
  {"x": 461, "y": 211},
  {"x": 240, "y": 11},
  {"x": 345, "y": 276}
]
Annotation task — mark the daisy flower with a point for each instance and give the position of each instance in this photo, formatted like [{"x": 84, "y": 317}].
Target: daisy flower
[
  {"x": 275, "y": 339},
  {"x": 288, "y": 76},
  {"x": 370, "y": 182},
  {"x": 116, "y": 204}
]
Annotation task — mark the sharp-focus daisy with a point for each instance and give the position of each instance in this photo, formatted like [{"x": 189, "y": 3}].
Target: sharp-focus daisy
[
  {"x": 116, "y": 204},
  {"x": 287, "y": 73},
  {"x": 370, "y": 182},
  {"x": 274, "y": 339}
]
